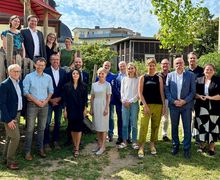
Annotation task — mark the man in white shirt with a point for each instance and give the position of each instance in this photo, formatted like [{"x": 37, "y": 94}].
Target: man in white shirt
[
  {"x": 33, "y": 39},
  {"x": 180, "y": 91},
  {"x": 58, "y": 76}
]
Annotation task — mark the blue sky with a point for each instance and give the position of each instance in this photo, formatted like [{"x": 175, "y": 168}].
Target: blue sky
[{"x": 132, "y": 14}]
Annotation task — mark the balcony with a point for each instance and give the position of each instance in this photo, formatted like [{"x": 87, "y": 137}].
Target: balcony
[{"x": 94, "y": 36}]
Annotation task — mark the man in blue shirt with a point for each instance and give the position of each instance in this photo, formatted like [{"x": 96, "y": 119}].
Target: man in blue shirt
[{"x": 38, "y": 89}]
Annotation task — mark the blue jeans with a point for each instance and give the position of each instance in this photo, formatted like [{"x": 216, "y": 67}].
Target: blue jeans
[
  {"x": 57, "y": 118},
  {"x": 119, "y": 120},
  {"x": 33, "y": 112},
  {"x": 186, "y": 115},
  {"x": 130, "y": 115}
]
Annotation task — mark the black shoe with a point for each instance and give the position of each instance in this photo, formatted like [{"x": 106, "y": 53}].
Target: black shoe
[
  {"x": 175, "y": 150},
  {"x": 129, "y": 141},
  {"x": 211, "y": 153},
  {"x": 119, "y": 141},
  {"x": 166, "y": 139},
  {"x": 110, "y": 139},
  {"x": 186, "y": 154}
]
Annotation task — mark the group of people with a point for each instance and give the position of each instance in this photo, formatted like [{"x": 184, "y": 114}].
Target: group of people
[{"x": 58, "y": 84}]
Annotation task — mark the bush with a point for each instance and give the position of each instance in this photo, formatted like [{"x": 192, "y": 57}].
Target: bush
[
  {"x": 142, "y": 68},
  {"x": 212, "y": 58}
]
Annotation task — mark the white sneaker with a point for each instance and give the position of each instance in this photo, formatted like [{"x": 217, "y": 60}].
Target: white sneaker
[
  {"x": 122, "y": 145},
  {"x": 95, "y": 149},
  {"x": 100, "y": 151},
  {"x": 135, "y": 146}
]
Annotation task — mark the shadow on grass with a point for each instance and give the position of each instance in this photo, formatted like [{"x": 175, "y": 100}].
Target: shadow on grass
[{"x": 166, "y": 166}]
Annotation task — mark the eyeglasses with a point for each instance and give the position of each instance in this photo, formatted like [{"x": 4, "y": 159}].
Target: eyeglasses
[
  {"x": 52, "y": 37},
  {"x": 16, "y": 71}
]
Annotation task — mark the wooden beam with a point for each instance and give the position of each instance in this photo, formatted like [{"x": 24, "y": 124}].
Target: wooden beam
[
  {"x": 27, "y": 11},
  {"x": 219, "y": 34},
  {"x": 45, "y": 21}
]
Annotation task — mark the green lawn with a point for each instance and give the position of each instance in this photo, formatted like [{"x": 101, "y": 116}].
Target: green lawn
[{"x": 62, "y": 165}]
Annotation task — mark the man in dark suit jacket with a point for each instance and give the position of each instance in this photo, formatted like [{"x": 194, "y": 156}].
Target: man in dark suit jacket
[
  {"x": 33, "y": 39},
  {"x": 10, "y": 107},
  {"x": 180, "y": 91},
  {"x": 58, "y": 76}
]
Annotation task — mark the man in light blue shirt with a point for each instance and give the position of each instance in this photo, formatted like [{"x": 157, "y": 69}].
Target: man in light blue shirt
[{"x": 38, "y": 89}]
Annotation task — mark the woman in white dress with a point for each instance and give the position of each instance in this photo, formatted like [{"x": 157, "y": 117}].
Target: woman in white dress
[{"x": 100, "y": 98}]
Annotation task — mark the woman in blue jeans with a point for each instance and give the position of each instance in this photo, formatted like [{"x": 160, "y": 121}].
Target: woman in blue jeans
[{"x": 130, "y": 107}]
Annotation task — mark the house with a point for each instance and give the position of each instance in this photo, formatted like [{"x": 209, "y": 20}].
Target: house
[
  {"x": 38, "y": 7},
  {"x": 104, "y": 35},
  {"x": 141, "y": 48}
]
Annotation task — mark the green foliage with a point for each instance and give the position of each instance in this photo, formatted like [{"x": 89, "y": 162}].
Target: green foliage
[
  {"x": 180, "y": 21},
  {"x": 207, "y": 40},
  {"x": 95, "y": 54},
  {"x": 212, "y": 58},
  {"x": 142, "y": 68}
]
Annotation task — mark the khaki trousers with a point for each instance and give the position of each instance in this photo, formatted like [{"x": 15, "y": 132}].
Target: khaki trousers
[{"x": 12, "y": 141}]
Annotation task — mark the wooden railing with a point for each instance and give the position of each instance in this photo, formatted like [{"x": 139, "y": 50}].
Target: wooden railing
[{"x": 7, "y": 57}]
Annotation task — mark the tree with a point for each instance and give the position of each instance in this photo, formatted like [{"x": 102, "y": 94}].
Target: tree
[
  {"x": 207, "y": 40},
  {"x": 180, "y": 21},
  {"x": 95, "y": 54},
  {"x": 211, "y": 58}
]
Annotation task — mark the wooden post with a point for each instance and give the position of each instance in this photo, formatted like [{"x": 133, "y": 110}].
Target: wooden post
[
  {"x": 219, "y": 34},
  {"x": 94, "y": 73},
  {"x": 27, "y": 11},
  {"x": 45, "y": 21},
  {"x": 9, "y": 49},
  {"x": 2, "y": 66}
]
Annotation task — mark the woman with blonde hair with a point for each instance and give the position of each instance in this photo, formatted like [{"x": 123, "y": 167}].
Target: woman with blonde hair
[
  {"x": 100, "y": 99},
  {"x": 130, "y": 107},
  {"x": 51, "y": 46},
  {"x": 151, "y": 93}
]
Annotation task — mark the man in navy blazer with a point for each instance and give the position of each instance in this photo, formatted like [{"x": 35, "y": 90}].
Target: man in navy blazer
[
  {"x": 33, "y": 39},
  {"x": 180, "y": 91},
  {"x": 58, "y": 76},
  {"x": 10, "y": 107}
]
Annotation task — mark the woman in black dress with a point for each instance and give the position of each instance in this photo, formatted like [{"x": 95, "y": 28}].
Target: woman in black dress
[
  {"x": 75, "y": 97},
  {"x": 207, "y": 109}
]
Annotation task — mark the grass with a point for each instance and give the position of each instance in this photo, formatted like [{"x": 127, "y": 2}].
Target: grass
[{"x": 61, "y": 164}]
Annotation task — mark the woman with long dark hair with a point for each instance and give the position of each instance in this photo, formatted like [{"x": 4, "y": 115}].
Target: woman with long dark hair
[{"x": 75, "y": 98}]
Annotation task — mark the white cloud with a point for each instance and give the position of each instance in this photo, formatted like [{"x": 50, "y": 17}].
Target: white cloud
[{"x": 132, "y": 14}]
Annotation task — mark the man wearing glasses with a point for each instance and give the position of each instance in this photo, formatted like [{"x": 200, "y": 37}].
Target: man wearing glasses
[
  {"x": 180, "y": 90},
  {"x": 10, "y": 107}
]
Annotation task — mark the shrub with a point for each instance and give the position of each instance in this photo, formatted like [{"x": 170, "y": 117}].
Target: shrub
[{"x": 212, "y": 58}]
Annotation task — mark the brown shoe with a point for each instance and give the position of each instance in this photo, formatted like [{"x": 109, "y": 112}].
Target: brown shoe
[
  {"x": 42, "y": 153},
  {"x": 13, "y": 166},
  {"x": 28, "y": 157}
]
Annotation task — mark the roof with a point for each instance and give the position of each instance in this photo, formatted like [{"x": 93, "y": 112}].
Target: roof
[
  {"x": 134, "y": 38},
  {"x": 16, "y": 7},
  {"x": 100, "y": 28}
]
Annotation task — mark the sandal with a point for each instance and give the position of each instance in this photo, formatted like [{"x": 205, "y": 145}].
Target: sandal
[{"x": 76, "y": 153}]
